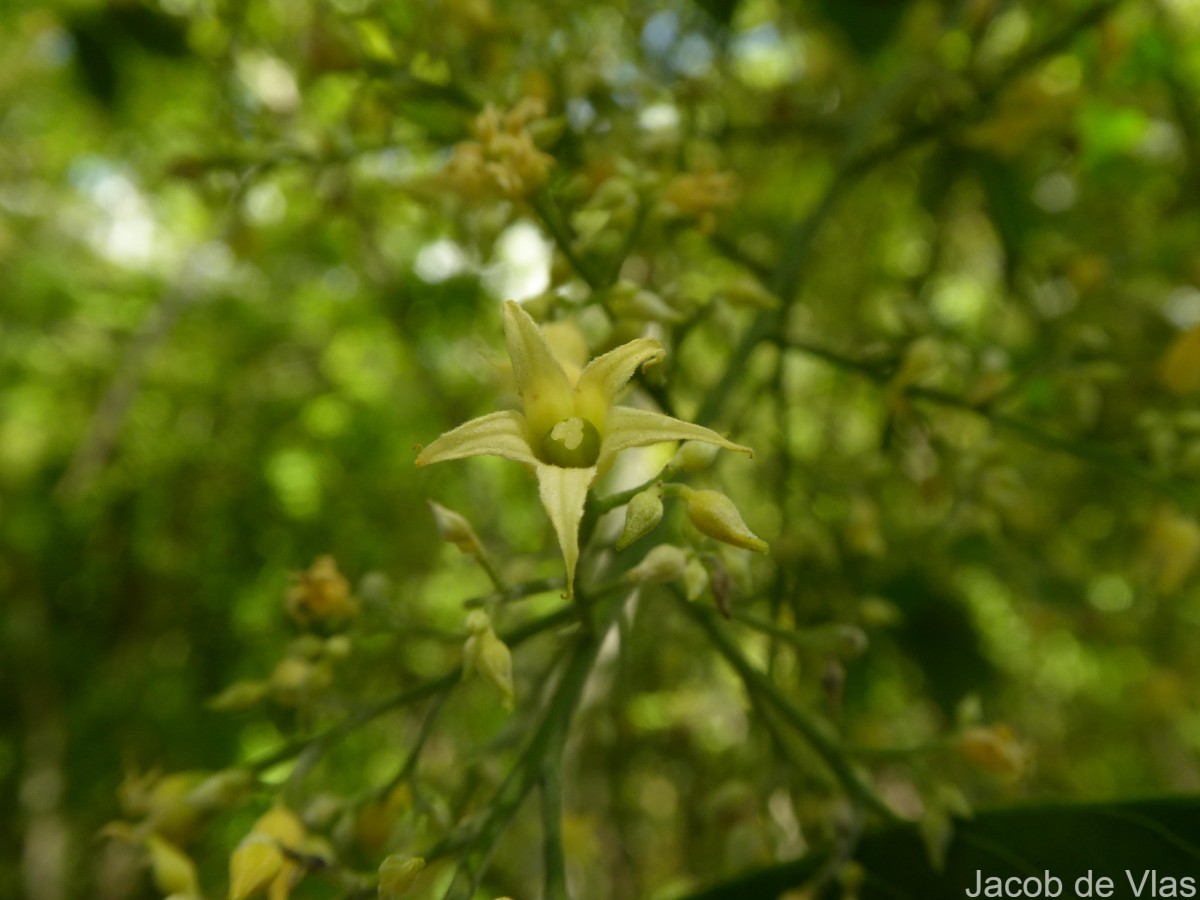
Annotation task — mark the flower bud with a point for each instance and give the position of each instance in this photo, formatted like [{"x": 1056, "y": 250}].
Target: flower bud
[
  {"x": 631, "y": 302},
  {"x": 921, "y": 355},
  {"x": 715, "y": 515},
  {"x": 693, "y": 457},
  {"x": 253, "y": 865},
  {"x": 398, "y": 874},
  {"x": 455, "y": 529},
  {"x": 222, "y": 790},
  {"x": 994, "y": 748},
  {"x": 747, "y": 291},
  {"x": 321, "y": 596},
  {"x": 478, "y": 621},
  {"x": 486, "y": 654},
  {"x": 1179, "y": 369},
  {"x": 174, "y": 872},
  {"x": 642, "y": 514},
  {"x": 338, "y": 647},
  {"x": 695, "y": 578},
  {"x": 665, "y": 562},
  {"x": 1172, "y": 550},
  {"x": 239, "y": 696}
]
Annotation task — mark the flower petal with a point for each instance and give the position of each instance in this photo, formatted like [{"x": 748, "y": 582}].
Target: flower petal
[
  {"x": 563, "y": 493},
  {"x": 605, "y": 375},
  {"x": 496, "y": 434},
  {"x": 546, "y": 396},
  {"x": 628, "y": 427}
]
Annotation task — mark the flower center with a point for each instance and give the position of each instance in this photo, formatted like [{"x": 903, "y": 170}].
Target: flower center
[{"x": 571, "y": 444}]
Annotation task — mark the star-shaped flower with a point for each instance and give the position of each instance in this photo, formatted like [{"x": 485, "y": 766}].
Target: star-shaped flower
[{"x": 569, "y": 431}]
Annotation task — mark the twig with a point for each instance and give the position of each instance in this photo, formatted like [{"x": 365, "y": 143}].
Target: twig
[
  {"x": 1025, "y": 430},
  {"x": 547, "y": 211},
  {"x": 553, "y": 857},
  {"x": 314, "y": 747},
  {"x": 756, "y": 682},
  {"x": 100, "y": 441},
  {"x": 480, "y": 840}
]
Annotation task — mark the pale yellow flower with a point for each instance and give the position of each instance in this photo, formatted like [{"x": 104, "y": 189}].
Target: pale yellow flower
[{"x": 569, "y": 430}]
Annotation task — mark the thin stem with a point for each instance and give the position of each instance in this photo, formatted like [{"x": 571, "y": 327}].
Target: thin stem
[
  {"x": 311, "y": 749},
  {"x": 756, "y": 682},
  {"x": 547, "y": 211},
  {"x": 612, "y": 501},
  {"x": 553, "y": 857},
  {"x": 480, "y": 840},
  {"x": 493, "y": 574},
  {"x": 1027, "y": 431}
]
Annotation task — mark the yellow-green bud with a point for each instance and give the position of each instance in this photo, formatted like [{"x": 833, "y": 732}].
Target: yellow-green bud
[
  {"x": 631, "y": 302},
  {"x": 240, "y": 696},
  {"x": 695, "y": 578},
  {"x": 642, "y": 514},
  {"x": 486, "y": 654},
  {"x": 878, "y": 612},
  {"x": 665, "y": 562},
  {"x": 571, "y": 444},
  {"x": 222, "y": 790},
  {"x": 455, "y": 529},
  {"x": 253, "y": 865},
  {"x": 715, "y": 515},
  {"x": 174, "y": 872},
  {"x": 693, "y": 457},
  {"x": 398, "y": 874},
  {"x": 920, "y": 356},
  {"x": 748, "y": 291},
  {"x": 478, "y": 621},
  {"x": 338, "y": 647}
]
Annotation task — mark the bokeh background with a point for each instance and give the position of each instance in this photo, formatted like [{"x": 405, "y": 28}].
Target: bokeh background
[{"x": 237, "y": 290}]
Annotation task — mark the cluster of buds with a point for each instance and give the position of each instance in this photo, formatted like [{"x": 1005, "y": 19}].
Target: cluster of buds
[
  {"x": 701, "y": 194},
  {"x": 171, "y": 809},
  {"x": 321, "y": 597},
  {"x": 503, "y": 158}
]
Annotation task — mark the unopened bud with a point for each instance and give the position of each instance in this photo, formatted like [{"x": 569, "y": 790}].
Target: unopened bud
[
  {"x": 478, "y": 621},
  {"x": 695, "y": 578},
  {"x": 715, "y": 515},
  {"x": 1172, "y": 550},
  {"x": 398, "y": 874},
  {"x": 748, "y": 291},
  {"x": 253, "y": 865},
  {"x": 338, "y": 647},
  {"x": 174, "y": 872},
  {"x": 693, "y": 457},
  {"x": 665, "y": 562},
  {"x": 995, "y": 749},
  {"x": 627, "y": 300},
  {"x": 921, "y": 356},
  {"x": 486, "y": 654},
  {"x": 642, "y": 514},
  {"x": 321, "y": 596},
  {"x": 239, "y": 696},
  {"x": 455, "y": 529},
  {"x": 222, "y": 790},
  {"x": 1179, "y": 369}
]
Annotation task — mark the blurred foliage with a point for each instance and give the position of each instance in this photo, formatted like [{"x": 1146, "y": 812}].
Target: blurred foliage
[{"x": 935, "y": 261}]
